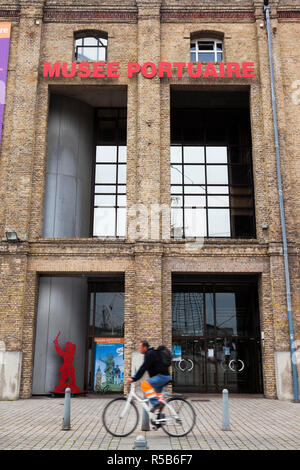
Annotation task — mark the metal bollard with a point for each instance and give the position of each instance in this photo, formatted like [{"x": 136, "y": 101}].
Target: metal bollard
[
  {"x": 140, "y": 443},
  {"x": 67, "y": 413},
  {"x": 145, "y": 421},
  {"x": 226, "y": 421}
]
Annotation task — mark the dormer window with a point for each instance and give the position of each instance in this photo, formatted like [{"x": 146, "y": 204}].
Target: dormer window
[
  {"x": 206, "y": 50},
  {"x": 90, "y": 46}
]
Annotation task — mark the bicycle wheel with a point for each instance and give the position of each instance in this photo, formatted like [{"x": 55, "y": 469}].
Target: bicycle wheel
[
  {"x": 180, "y": 417},
  {"x": 116, "y": 424}
]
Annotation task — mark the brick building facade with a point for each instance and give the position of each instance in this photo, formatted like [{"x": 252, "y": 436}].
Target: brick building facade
[{"x": 148, "y": 265}]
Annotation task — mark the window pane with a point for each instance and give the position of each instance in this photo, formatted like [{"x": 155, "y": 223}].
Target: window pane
[
  {"x": 195, "y": 222},
  {"x": 121, "y": 200},
  {"x": 105, "y": 173},
  {"x": 193, "y": 57},
  {"x": 176, "y": 189},
  {"x": 217, "y": 189},
  {"x": 219, "y": 56},
  {"x": 121, "y": 222},
  {"x": 218, "y": 201},
  {"x": 176, "y": 174},
  {"x": 121, "y": 173},
  {"x": 193, "y": 154},
  {"x": 194, "y": 174},
  {"x": 90, "y": 53},
  {"x": 101, "y": 54},
  {"x": 193, "y": 46},
  {"x": 216, "y": 154},
  {"x": 218, "y": 223},
  {"x": 176, "y": 201},
  {"x": 122, "y": 153},
  {"x": 217, "y": 174},
  {"x": 105, "y": 200},
  {"x": 122, "y": 189},
  {"x": 176, "y": 223},
  {"x": 226, "y": 320},
  {"x": 106, "y": 153},
  {"x": 176, "y": 154},
  {"x": 209, "y": 308},
  {"x": 194, "y": 201},
  {"x": 206, "y": 56},
  {"x": 90, "y": 41},
  {"x": 219, "y": 46},
  {"x": 194, "y": 189},
  {"x": 205, "y": 45},
  {"x": 240, "y": 175},
  {"x": 105, "y": 189},
  {"x": 104, "y": 222}
]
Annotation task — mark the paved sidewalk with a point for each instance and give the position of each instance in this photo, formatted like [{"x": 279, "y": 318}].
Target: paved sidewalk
[{"x": 256, "y": 423}]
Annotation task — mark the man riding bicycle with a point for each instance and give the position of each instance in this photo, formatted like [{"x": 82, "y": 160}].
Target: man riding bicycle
[{"x": 159, "y": 376}]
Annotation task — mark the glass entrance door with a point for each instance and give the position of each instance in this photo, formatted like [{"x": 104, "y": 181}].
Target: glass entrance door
[
  {"x": 105, "y": 341},
  {"x": 216, "y": 336}
]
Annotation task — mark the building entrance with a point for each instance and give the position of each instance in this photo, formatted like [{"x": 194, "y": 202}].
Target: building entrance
[
  {"x": 216, "y": 335},
  {"x": 105, "y": 339}
]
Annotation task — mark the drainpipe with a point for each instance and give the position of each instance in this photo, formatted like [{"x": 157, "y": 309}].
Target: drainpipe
[{"x": 282, "y": 216}]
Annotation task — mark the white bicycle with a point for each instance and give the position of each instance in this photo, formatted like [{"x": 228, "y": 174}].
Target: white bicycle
[{"x": 121, "y": 416}]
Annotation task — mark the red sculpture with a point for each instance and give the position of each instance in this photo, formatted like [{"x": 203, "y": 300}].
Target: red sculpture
[{"x": 67, "y": 370}]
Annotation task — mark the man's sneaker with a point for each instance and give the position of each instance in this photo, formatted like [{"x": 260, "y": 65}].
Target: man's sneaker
[{"x": 157, "y": 407}]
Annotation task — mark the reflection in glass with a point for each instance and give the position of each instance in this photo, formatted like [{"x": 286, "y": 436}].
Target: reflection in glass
[
  {"x": 176, "y": 174},
  {"x": 195, "y": 222},
  {"x": 176, "y": 223},
  {"x": 219, "y": 222},
  {"x": 209, "y": 310},
  {"x": 226, "y": 321},
  {"x": 188, "y": 313},
  {"x": 109, "y": 314},
  {"x": 194, "y": 174}
]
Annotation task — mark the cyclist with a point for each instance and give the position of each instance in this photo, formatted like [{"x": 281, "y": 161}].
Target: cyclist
[{"x": 159, "y": 376}]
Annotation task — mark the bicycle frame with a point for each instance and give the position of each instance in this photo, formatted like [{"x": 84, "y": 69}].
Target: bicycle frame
[{"x": 144, "y": 404}]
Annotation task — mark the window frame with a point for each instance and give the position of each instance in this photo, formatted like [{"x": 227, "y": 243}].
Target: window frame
[
  {"x": 120, "y": 188},
  {"x": 207, "y": 194},
  {"x": 99, "y": 36},
  {"x": 215, "y": 51}
]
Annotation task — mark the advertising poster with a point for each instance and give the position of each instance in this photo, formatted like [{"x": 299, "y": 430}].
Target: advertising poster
[
  {"x": 176, "y": 352},
  {"x": 109, "y": 364},
  {"x": 4, "y": 51}
]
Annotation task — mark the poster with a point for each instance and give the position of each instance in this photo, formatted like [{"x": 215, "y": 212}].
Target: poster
[
  {"x": 4, "y": 51},
  {"x": 108, "y": 364},
  {"x": 176, "y": 352}
]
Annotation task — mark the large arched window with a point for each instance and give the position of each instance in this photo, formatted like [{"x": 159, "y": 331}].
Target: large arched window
[
  {"x": 91, "y": 46},
  {"x": 206, "y": 46}
]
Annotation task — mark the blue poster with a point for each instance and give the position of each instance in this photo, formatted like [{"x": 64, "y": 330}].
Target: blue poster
[
  {"x": 108, "y": 364},
  {"x": 176, "y": 352}
]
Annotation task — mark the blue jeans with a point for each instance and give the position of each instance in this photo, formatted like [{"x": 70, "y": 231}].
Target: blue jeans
[{"x": 154, "y": 392}]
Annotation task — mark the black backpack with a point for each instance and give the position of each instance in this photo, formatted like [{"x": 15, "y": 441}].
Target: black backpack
[{"x": 165, "y": 355}]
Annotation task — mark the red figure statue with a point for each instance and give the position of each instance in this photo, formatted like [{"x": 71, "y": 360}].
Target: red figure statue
[{"x": 67, "y": 369}]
